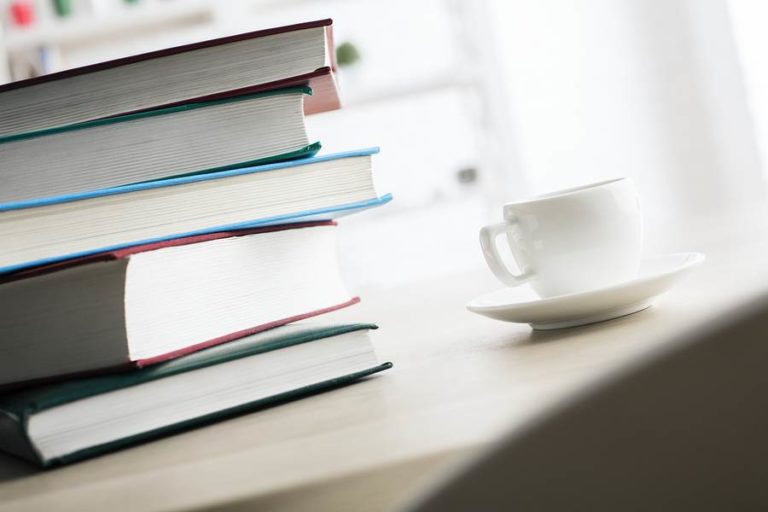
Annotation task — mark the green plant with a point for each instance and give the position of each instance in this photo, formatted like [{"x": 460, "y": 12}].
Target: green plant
[{"x": 347, "y": 54}]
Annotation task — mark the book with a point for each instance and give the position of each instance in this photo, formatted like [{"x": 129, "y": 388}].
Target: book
[
  {"x": 145, "y": 304},
  {"x": 189, "y": 139},
  {"x": 300, "y": 54},
  {"x": 42, "y": 231},
  {"x": 69, "y": 421}
]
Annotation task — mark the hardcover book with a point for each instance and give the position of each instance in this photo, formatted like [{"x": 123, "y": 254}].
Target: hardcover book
[
  {"x": 145, "y": 304},
  {"x": 189, "y": 139},
  {"x": 57, "y": 228},
  {"x": 300, "y": 54},
  {"x": 69, "y": 421}
]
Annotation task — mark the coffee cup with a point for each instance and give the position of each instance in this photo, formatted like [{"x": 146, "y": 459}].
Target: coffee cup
[{"x": 569, "y": 241}]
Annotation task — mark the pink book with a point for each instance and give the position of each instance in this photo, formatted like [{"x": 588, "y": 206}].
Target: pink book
[{"x": 138, "y": 306}]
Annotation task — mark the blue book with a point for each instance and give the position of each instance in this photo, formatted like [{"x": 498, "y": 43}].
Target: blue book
[{"x": 43, "y": 231}]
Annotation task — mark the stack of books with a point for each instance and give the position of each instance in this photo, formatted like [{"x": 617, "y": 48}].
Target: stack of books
[{"x": 164, "y": 219}]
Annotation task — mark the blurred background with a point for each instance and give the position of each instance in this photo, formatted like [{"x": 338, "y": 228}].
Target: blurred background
[{"x": 475, "y": 103}]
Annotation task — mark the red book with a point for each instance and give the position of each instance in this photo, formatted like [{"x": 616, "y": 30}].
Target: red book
[
  {"x": 301, "y": 54},
  {"x": 142, "y": 305}
]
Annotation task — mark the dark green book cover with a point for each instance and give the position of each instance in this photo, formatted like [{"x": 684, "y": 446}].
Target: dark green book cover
[
  {"x": 148, "y": 113},
  {"x": 16, "y": 407},
  {"x": 65, "y": 160}
]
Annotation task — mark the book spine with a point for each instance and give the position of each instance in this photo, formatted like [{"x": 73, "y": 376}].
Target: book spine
[{"x": 14, "y": 438}]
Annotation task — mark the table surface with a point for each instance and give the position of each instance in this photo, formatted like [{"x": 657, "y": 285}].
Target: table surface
[{"x": 459, "y": 382}]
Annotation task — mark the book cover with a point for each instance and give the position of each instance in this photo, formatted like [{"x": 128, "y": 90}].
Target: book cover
[
  {"x": 321, "y": 80},
  {"x": 16, "y": 407}
]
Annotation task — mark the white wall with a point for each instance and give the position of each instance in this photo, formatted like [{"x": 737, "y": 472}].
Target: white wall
[
  {"x": 646, "y": 89},
  {"x": 749, "y": 25}
]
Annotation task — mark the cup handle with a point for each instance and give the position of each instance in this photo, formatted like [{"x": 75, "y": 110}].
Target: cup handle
[{"x": 488, "y": 236}]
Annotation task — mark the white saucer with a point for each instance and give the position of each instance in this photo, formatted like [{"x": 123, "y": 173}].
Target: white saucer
[{"x": 521, "y": 305}]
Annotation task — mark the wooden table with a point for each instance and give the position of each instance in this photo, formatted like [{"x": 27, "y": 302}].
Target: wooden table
[{"x": 459, "y": 381}]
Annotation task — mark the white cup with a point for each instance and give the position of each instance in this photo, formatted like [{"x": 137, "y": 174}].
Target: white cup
[{"x": 570, "y": 241}]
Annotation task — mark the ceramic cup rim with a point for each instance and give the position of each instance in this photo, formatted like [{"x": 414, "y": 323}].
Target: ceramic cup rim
[{"x": 549, "y": 196}]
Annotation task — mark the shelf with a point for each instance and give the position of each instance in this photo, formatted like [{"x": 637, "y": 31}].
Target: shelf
[{"x": 93, "y": 28}]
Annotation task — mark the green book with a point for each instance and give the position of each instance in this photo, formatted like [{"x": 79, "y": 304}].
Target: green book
[
  {"x": 176, "y": 141},
  {"x": 65, "y": 422}
]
